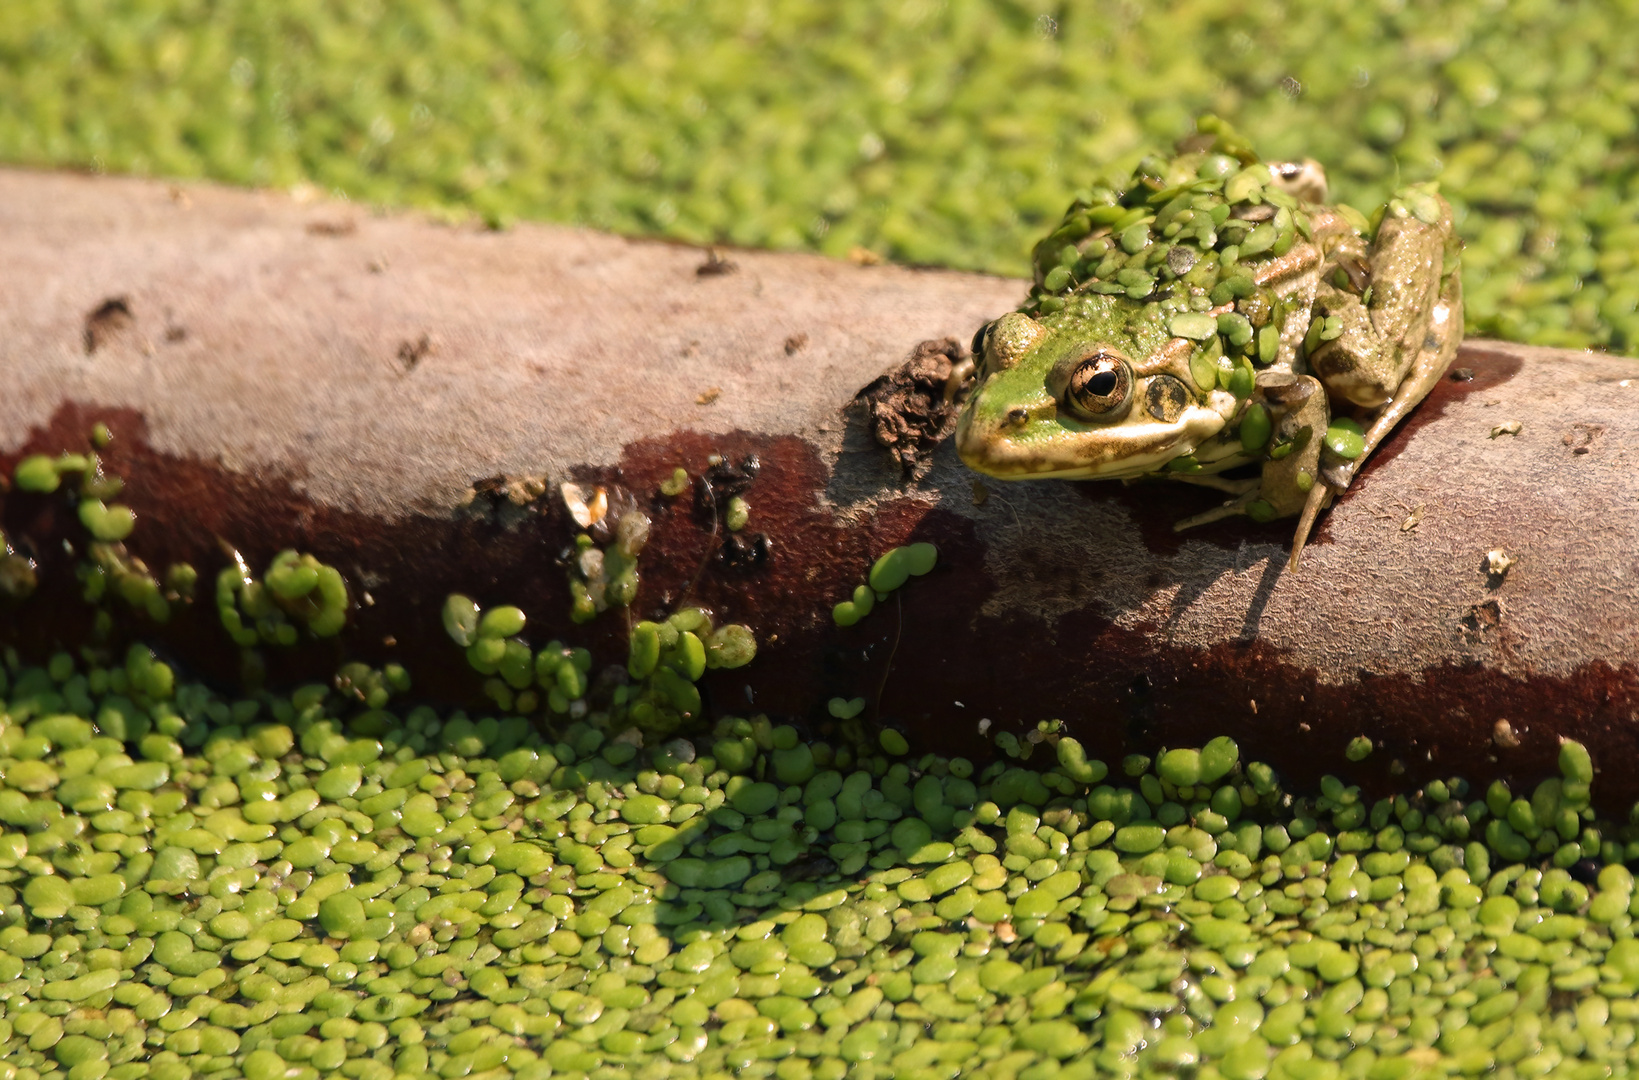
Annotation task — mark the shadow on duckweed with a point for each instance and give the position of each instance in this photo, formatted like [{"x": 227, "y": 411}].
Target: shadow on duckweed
[{"x": 273, "y": 886}]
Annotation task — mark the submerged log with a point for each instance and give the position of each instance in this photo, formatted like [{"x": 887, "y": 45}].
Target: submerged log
[{"x": 403, "y": 398}]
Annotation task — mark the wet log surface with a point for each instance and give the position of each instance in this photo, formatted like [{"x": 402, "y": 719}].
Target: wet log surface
[{"x": 365, "y": 387}]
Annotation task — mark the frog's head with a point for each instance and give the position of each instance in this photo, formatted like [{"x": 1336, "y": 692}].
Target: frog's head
[{"x": 1100, "y": 389}]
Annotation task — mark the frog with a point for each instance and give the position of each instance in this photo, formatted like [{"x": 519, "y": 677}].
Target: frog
[{"x": 1212, "y": 319}]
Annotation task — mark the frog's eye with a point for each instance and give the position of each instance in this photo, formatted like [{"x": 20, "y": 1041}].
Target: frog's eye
[{"x": 1100, "y": 388}]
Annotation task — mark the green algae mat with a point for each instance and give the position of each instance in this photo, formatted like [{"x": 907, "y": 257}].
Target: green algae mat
[{"x": 950, "y": 133}]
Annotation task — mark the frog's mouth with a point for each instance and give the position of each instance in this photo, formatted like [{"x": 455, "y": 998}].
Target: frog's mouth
[{"x": 1016, "y": 445}]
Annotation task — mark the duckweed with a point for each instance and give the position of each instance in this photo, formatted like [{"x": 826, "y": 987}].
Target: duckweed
[
  {"x": 109, "y": 568},
  {"x": 675, "y": 484},
  {"x": 42, "y": 475},
  {"x": 1345, "y": 438},
  {"x": 287, "y": 886},
  {"x": 461, "y": 619},
  {"x": 898, "y": 565},
  {"x": 665, "y": 660},
  {"x": 892, "y": 569},
  {"x": 668, "y": 658},
  {"x": 107, "y": 523},
  {"x": 372, "y": 686},
  {"x": 852, "y": 610},
  {"x": 290, "y": 886},
  {"x": 607, "y": 576},
  {"x": 297, "y": 591},
  {"x": 842, "y": 128},
  {"x": 845, "y": 708}
]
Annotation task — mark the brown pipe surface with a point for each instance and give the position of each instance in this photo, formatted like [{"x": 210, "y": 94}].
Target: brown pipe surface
[{"x": 311, "y": 374}]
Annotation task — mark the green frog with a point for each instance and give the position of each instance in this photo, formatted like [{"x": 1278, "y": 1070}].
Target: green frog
[{"x": 1214, "y": 315}]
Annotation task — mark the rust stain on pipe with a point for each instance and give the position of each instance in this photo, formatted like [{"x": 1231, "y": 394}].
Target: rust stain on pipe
[{"x": 929, "y": 659}]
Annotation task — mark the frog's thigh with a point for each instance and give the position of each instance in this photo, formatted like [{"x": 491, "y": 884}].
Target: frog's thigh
[
  {"x": 1407, "y": 264},
  {"x": 1358, "y": 365},
  {"x": 1442, "y": 333},
  {"x": 1368, "y": 364}
]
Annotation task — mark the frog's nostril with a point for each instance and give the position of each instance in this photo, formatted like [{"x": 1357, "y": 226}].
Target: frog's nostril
[{"x": 1016, "y": 417}]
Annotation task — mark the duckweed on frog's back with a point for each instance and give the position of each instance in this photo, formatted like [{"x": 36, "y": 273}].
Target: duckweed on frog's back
[{"x": 1213, "y": 313}]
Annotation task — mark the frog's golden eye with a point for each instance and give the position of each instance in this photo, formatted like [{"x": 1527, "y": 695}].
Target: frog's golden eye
[{"x": 1100, "y": 388}]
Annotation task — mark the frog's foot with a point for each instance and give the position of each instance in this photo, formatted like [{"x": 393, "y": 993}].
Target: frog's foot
[
  {"x": 1319, "y": 497},
  {"x": 1338, "y": 475},
  {"x": 1234, "y": 508}
]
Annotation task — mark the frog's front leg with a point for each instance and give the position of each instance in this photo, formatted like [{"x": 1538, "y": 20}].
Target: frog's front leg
[
  {"x": 1387, "y": 320},
  {"x": 1284, "y": 421},
  {"x": 1291, "y": 481}
]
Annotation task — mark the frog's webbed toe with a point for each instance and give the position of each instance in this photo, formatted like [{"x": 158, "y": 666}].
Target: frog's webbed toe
[
  {"x": 1233, "y": 508},
  {"x": 1320, "y": 496}
]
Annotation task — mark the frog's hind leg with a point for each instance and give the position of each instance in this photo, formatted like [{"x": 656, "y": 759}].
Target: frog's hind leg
[
  {"x": 1319, "y": 497},
  {"x": 1439, "y": 348},
  {"x": 1291, "y": 482},
  {"x": 1219, "y": 483},
  {"x": 1388, "y": 318},
  {"x": 1298, "y": 412}
]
